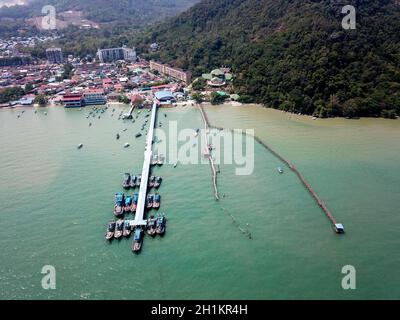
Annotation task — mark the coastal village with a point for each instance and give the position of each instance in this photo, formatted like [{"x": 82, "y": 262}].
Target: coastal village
[{"x": 116, "y": 75}]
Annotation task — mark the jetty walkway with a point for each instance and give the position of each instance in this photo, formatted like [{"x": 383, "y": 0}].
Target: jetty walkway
[{"x": 139, "y": 217}]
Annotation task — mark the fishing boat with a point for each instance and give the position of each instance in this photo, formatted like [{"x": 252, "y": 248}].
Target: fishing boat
[
  {"x": 137, "y": 240},
  {"x": 134, "y": 202},
  {"x": 161, "y": 160},
  {"x": 132, "y": 183},
  {"x": 126, "y": 181},
  {"x": 150, "y": 201},
  {"x": 138, "y": 180},
  {"x": 156, "y": 201},
  {"x": 160, "y": 224},
  {"x": 80, "y": 146},
  {"x": 157, "y": 182},
  {"x": 154, "y": 160},
  {"x": 152, "y": 181},
  {"x": 151, "y": 227},
  {"x": 127, "y": 229},
  {"x": 119, "y": 204},
  {"x": 128, "y": 203},
  {"x": 119, "y": 228},
  {"x": 280, "y": 169},
  {"x": 110, "y": 230}
]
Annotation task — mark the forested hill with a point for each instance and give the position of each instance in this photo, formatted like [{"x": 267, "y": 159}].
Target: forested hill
[
  {"x": 104, "y": 11},
  {"x": 293, "y": 55}
]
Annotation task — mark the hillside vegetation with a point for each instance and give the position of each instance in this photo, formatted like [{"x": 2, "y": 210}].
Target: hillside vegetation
[{"x": 292, "y": 55}]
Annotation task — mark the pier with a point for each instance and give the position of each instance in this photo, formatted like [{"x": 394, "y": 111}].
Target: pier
[
  {"x": 338, "y": 227},
  {"x": 139, "y": 217},
  {"x": 207, "y": 152}
]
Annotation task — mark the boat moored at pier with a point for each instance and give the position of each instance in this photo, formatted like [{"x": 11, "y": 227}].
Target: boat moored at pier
[
  {"x": 119, "y": 204},
  {"x": 156, "y": 201},
  {"x": 150, "y": 200},
  {"x": 161, "y": 225},
  {"x": 127, "y": 229},
  {"x": 126, "y": 181},
  {"x": 151, "y": 226},
  {"x": 152, "y": 180},
  {"x": 110, "y": 230},
  {"x": 128, "y": 203},
  {"x": 137, "y": 240},
  {"x": 157, "y": 182},
  {"x": 134, "y": 202},
  {"x": 119, "y": 228},
  {"x": 132, "y": 183}
]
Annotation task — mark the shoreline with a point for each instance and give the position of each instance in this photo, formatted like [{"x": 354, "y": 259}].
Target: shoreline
[{"x": 180, "y": 105}]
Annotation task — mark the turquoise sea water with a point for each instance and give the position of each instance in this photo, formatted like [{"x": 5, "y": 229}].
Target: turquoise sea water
[{"x": 56, "y": 200}]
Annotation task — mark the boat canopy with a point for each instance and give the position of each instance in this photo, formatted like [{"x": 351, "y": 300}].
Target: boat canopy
[{"x": 138, "y": 234}]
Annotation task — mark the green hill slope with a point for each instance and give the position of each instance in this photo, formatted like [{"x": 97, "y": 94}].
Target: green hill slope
[{"x": 293, "y": 55}]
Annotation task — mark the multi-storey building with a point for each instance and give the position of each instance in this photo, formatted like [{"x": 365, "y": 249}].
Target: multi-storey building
[
  {"x": 175, "y": 73},
  {"x": 115, "y": 54},
  {"x": 93, "y": 97},
  {"x": 54, "y": 55}
]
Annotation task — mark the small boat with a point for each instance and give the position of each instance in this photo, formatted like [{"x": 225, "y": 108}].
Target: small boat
[
  {"x": 119, "y": 203},
  {"x": 154, "y": 160},
  {"x": 157, "y": 182},
  {"x": 119, "y": 229},
  {"x": 132, "y": 183},
  {"x": 45, "y": 113},
  {"x": 80, "y": 146},
  {"x": 118, "y": 136},
  {"x": 134, "y": 202},
  {"x": 339, "y": 228},
  {"x": 138, "y": 135},
  {"x": 138, "y": 180},
  {"x": 127, "y": 229},
  {"x": 175, "y": 164},
  {"x": 151, "y": 227},
  {"x": 149, "y": 202},
  {"x": 126, "y": 181},
  {"x": 126, "y": 145},
  {"x": 152, "y": 181},
  {"x": 90, "y": 124},
  {"x": 280, "y": 169},
  {"x": 137, "y": 240},
  {"x": 165, "y": 115},
  {"x": 128, "y": 203},
  {"x": 110, "y": 230},
  {"x": 156, "y": 201},
  {"x": 161, "y": 160},
  {"x": 160, "y": 228},
  {"x": 197, "y": 132}
]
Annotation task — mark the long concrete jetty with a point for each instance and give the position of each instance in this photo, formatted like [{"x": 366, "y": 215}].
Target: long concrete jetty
[{"x": 148, "y": 152}]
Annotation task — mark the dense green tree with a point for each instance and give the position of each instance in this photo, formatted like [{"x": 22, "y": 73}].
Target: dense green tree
[
  {"x": 41, "y": 100},
  {"x": 11, "y": 94},
  {"x": 199, "y": 84},
  {"x": 198, "y": 97}
]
